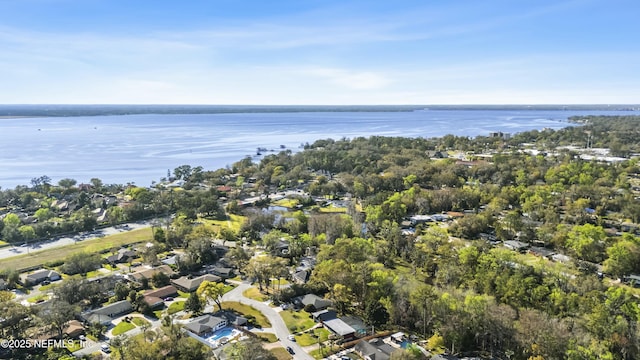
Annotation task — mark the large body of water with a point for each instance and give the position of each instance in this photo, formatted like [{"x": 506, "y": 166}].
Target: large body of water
[{"x": 141, "y": 148}]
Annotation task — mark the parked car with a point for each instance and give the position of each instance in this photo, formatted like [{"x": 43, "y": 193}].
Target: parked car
[
  {"x": 105, "y": 348},
  {"x": 291, "y": 337},
  {"x": 168, "y": 298},
  {"x": 290, "y": 350}
]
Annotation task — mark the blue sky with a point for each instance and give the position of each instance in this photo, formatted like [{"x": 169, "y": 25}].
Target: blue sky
[{"x": 319, "y": 52}]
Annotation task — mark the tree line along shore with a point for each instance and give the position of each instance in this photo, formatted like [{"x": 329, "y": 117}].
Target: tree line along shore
[{"x": 522, "y": 247}]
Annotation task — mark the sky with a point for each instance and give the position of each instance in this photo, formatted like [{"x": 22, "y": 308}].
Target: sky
[{"x": 319, "y": 52}]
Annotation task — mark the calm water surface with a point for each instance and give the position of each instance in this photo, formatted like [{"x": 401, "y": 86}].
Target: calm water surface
[{"x": 141, "y": 148}]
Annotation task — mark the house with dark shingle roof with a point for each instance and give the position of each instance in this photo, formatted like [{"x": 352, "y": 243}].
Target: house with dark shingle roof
[{"x": 191, "y": 284}]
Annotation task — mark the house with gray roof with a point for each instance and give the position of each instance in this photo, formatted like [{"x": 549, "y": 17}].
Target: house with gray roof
[
  {"x": 106, "y": 314},
  {"x": 148, "y": 273},
  {"x": 374, "y": 349},
  {"x": 123, "y": 255},
  {"x": 205, "y": 324},
  {"x": 189, "y": 284},
  {"x": 39, "y": 276},
  {"x": 313, "y": 299}
]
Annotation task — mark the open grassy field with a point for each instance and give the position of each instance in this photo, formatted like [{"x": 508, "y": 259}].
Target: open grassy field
[
  {"x": 36, "y": 258},
  {"x": 247, "y": 310},
  {"x": 234, "y": 222}
]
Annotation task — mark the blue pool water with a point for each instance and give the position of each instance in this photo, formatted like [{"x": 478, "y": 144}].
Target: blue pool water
[
  {"x": 405, "y": 344},
  {"x": 221, "y": 333}
]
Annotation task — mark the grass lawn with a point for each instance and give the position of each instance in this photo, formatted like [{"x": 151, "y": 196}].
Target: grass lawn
[
  {"x": 288, "y": 203},
  {"x": 228, "y": 287},
  {"x": 35, "y": 299},
  {"x": 323, "y": 351},
  {"x": 297, "y": 320},
  {"x": 92, "y": 274},
  {"x": 255, "y": 294},
  {"x": 275, "y": 282},
  {"x": 182, "y": 294},
  {"x": 268, "y": 337},
  {"x": 138, "y": 321},
  {"x": 122, "y": 328},
  {"x": 47, "y": 287},
  {"x": 306, "y": 339},
  {"x": 3, "y": 243},
  {"x": 333, "y": 209},
  {"x": 281, "y": 353},
  {"x": 73, "y": 347},
  {"x": 234, "y": 222},
  {"x": 158, "y": 314},
  {"x": 247, "y": 310},
  {"x": 36, "y": 258},
  {"x": 175, "y": 307}
]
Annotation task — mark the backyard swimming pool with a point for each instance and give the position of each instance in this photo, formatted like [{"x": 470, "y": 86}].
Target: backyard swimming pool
[{"x": 222, "y": 336}]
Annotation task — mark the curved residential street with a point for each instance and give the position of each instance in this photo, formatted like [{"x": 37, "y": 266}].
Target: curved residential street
[{"x": 277, "y": 323}]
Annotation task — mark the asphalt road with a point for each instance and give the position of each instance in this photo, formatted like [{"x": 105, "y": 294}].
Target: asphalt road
[{"x": 10, "y": 251}]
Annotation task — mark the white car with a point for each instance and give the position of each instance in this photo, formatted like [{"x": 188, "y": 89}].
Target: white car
[{"x": 291, "y": 337}]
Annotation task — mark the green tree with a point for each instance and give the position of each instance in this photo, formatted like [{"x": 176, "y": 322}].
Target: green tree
[
  {"x": 248, "y": 349},
  {"x": 194, "y": 304},
  {"x": 623, "y": 257},
  {"x": 587, "y": 242},
  {"x": 211, "y": 291},
  {"x": 10, "y": 231}
]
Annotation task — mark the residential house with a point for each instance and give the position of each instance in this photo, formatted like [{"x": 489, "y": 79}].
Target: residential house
[
  {"x": 189, "y": 284},
  {"x": 340, "y": 328},
  {"x": 223, "y": 272},
  {"x": 39, "y": 276},
  {"x": 148, "y": 273},
  {"x": 74, "y": 329},
  {"x": 516, "y": 245},
  {"x": 106, "y": 314},
  {"x": 155, "y": 298},
  {"x": 122, "y": 256},
  {"x": 336, "y": 325},
  {"x": 323, "y": 315},
  {"x": 374, "y": 349},
  {"x": 205, "y": 324},
  {"x": 313, "y": 299},
  {"x": 301, "y": 277}
]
